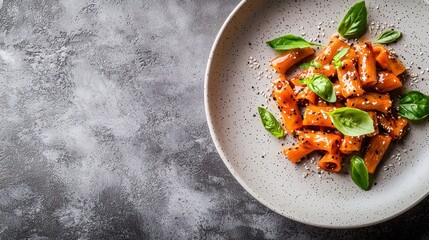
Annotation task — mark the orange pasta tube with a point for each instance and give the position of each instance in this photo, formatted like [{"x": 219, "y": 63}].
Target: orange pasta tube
[
  {"x": 375, "y": 152},
  {"x": 374, "y": 118},
  {"x": 296, "y": 153},
  {"x": 387, "y": 82},
  {"x": 307, "y": 94},
  {"x": 328, "y": 53},
  {"x": 395, "y": 127},
  {"x": 351, "y": 144},
  {"x": 331, "y": 162},
  {"x": 371, "y": 101},
  {"x": 327, "y": 70},
  {"x": 322, "y": 103},
  {"x": 366, "y": 64},
  {"x": 351, "y": 55},
  {"x": 349, "y": 80},
  {"x": 285, "y": 61},
  {"x": 313, "y": 116},
  {"x": 318, "y": 140},
  {"x": 295, "y": 79},
  {"x": 285, "y": 98},
  {"x": 387, "y": 60}
]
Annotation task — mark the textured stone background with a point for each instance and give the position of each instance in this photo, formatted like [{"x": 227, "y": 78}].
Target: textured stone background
[{"x": 103, "y": 131}]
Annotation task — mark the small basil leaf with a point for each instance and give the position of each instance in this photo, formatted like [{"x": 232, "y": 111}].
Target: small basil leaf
[
  {"x": 341, "y": 54},
  {"x": 305, "y": 65},
  {"x": 323, "y": 87},
  {"x": 388, "y": 37},
  {"x": 359, "y": 172},
  {"x": 338, "y": 56},
  {"x": 414, "y": 105},
  {"x": 338, "y": 64},
  {"x": 352, "y": 121},
  {"x": 313, "y": 63},
  {"x": 316, "y": 64},
  {"x": 303, "y": 80},
  {"x": 270, "y": 122},
  {"x": 289, "y": 41},
  {"x": 354, "y": 22}
]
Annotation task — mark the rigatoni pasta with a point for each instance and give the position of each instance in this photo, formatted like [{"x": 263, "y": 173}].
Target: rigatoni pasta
[
  {"x": 288, "y": 106},
  {"x": 340, "y": 103},
  {"x": 331, "y": 161},
  {"x": 387, "y": 82},
  {"x": 387, "y": 60},
  {"x": 357, "y": 83},
  {"x": 376, "y": 148},
  {"x": 316, "y": 116},
  {"x": 366, "y": 64},
  {"x": 285, "y": 61},
  {"x": 371, "y": 101}
]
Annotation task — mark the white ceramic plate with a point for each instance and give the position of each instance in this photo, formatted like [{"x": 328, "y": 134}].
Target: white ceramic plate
[{"x": 253, "y": 156}]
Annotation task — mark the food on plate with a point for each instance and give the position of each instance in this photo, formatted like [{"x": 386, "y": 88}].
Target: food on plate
[{"x": 341, "y": 102}]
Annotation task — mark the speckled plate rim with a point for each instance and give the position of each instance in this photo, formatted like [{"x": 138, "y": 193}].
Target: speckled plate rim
[
  {"x": 231, "y": 168},
  {"x": 210, "y": 121}
]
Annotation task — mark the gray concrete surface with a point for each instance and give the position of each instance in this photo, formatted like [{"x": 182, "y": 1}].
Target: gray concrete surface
[{"x": 103, "y": 130}]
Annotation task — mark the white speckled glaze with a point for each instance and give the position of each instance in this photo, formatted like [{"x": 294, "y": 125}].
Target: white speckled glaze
[{"x": 231, "y": 106}]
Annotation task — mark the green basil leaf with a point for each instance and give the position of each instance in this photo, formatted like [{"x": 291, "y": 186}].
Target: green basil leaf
[
  {"x": 354, "y": 22},
  {"x": 270, "y": 122},
  {"x": 414, "y": 105},
  {"x": 338, "y": 56},
  {"x": 388, "y": 37},
  {"x": 303, "y": 80},
  {"x": 323, "y": 87},
  {"x": 316, "y": 64},
  {"x": 289, "y": 41},
  {"x": 359, "y": 172},
  {"x": 338, "y": 64},
  {"x": 305, "y": 65},
  {"x": 313, "y": 63},
  {"x": 341, "y": 54},
  {"x": 351, "y": 121}
]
